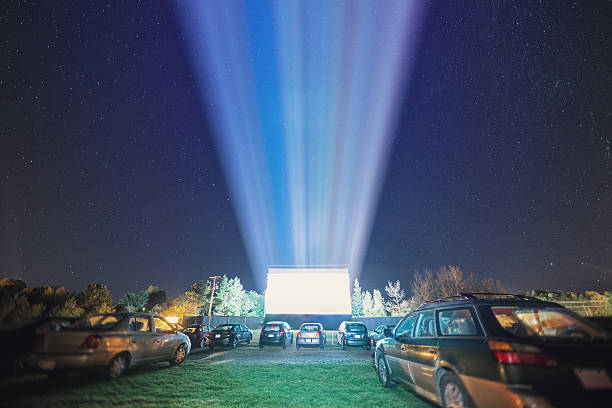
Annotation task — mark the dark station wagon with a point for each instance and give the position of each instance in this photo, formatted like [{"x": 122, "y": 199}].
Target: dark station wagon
[{"x": 498, "y": 350}]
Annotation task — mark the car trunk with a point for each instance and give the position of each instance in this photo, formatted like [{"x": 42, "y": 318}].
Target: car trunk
[
  {"x": 574, "y": 368},
  {"x": 65, "y": 342}
]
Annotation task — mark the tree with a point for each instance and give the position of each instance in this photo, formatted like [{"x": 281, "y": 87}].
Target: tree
[
  {"x": 451, "y": 282},
  {"x": 96, "y": 299},
  {"x": 134, "y": 302},
  {"x": 368, "y": 304},
  {"x": 70, "y": 308},
  {"x": 157, "y": 298},
  {"x": 424, "y": 287},
  {"x": 396, "y": 296},
  {"x": 198, "y": 297},
  {"x": 357, "y": 300},
  {"x": 378, "y": 307},
  {"x": 231, "y": 295},
  {"x": 258, "y": 302}
]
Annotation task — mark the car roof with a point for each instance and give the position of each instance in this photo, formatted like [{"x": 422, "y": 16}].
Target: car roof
[
  {"x": 485, "y": 299},
  {"x": 276, "y": 323}
]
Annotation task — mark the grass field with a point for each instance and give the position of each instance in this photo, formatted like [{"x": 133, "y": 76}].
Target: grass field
[{"x": 226, "y": 384}]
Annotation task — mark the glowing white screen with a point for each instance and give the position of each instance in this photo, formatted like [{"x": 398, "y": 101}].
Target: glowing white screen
[{"x": 308, "y": 291}]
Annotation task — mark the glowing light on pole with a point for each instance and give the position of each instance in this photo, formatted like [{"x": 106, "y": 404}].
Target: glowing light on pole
[{"x": 303, "y": 99}]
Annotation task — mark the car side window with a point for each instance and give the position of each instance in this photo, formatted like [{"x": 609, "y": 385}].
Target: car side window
[
  {"x": 161, "y": 326},
  {"x": 139, "y": 323},
  {"x": 404, "y": 329},
  {"x": 457, "y": 322},
  {"x": 425, "y": 326}
]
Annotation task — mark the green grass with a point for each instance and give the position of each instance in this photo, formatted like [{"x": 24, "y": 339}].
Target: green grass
[{"x": 200, "y": 384}]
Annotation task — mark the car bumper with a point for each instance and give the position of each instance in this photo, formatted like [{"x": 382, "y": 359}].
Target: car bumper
[
  {"x": 219, "y": 342},
  {"x": 314, "y": 341},
  {"x": 357, "y": 342},
  {"x": 487, "y": 393},
  {"x": 271, "y": 340},
  {"x": 50, "y": 362}
]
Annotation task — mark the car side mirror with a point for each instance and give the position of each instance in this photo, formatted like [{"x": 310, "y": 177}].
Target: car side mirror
[{"x": 388, "y": 332}]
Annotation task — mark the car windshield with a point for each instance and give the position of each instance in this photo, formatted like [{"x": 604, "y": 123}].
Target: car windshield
[
  {"x": 98, "y": 322},
  {"x": 310, "y": 328},
  {"x": 224, "y": 327},
  {"x": 355, "y": 328},
  {"x": 544, "y": 322},
  {"x": 272, "y": 327}
]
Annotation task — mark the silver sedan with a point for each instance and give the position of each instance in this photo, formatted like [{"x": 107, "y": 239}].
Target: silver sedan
[{"x": 111, "y": 343}]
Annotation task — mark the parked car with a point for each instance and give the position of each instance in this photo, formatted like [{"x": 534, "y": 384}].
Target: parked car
[
  {"x": 229, "y": 335},
  {"x": 379, "y": 332},
  {"x": 111, "y": 343},
  {"x": 353, "y": 334},
  {"x": 276, "y": 333},
  {"x": 492, "y": 350},
  {"x": 311, "y": 334},
  {"x": 198, "y": 333},
  {"x": 19, "y": 340}
]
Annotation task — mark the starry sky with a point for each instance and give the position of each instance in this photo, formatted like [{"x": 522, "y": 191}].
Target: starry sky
[{"x": 501, "y": 162}]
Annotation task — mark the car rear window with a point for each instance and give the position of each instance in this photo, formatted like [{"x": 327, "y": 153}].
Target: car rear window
[
  {"x": 98, "y": 322},
  {"x": 356, "y": 328},
  {"x": 272, "y": 327},
  {"x": 310, "y": 328},
  {"x": 224, "y": 327},
  {"x": 544, "y": 322}
]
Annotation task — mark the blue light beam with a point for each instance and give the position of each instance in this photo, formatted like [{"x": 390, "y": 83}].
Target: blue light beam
[{"x": 303, "y": 98}]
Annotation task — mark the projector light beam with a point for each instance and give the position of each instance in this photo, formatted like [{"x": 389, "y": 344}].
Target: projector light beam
[{"x": 303, "y": 98}]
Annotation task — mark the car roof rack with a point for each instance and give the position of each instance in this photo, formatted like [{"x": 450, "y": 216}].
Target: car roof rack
[{"x": 478, "y": 295}]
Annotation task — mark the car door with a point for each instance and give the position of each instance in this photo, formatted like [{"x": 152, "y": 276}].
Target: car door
[
  {"x": 244, "y": 335},
  {"x": 165, "y": 339},
  {"x": 422, "y": 351},
  {"x": 289, "y": 333},
  {"x": 140, "y": 329},
  {"x": 397, "y": 361}
]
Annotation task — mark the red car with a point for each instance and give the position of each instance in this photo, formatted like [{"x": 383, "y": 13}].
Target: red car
[{"x": 198, "y": 333}]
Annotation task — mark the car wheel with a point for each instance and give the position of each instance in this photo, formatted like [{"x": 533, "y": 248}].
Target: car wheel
[
  {"x": 297, "y": 346},
  {"x": 179, "y": 355},
  {"x": 211, "y": 347},
  {"x": 260, "y": 345},
  {"x": 234, "y": 343},
  {"x": 368, "y": 347},
  {"x": 322, "y": 346},
  {"x": 343, "y": 343},
  {"x": 202, "y": 343},
  {"x": 249, "y": 339},
  {"x": 383, "y": 373},
  {"x": 284, "y": 343},
  {"x": 454, "y": 394},
  {"x": 117, "y": 367}
]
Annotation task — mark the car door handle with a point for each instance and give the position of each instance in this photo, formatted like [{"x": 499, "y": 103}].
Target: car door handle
[
  {"x": 404, "y": 347},
  {"x": 158, "y": 341}
]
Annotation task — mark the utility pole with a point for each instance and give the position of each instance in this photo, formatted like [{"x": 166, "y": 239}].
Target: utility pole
[{"x": 213, "y": 286}]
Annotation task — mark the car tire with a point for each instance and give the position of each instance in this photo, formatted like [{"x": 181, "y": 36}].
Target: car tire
[
  {"x": 249, "y": 339},
  {"x": 284, "y": 343},
  {"x": 234, "y": 343},
  {"x": 383, "y": 373},
  {"x": 202, "y": 343},
  {"x": 117, "y": 367},
  {"x": 452, "y": 391},
  {"x": 369, "y": 347},
  {"x": 297, "y": 346},
  {"x": 342, "y": 343},
  {"x": 211, "y": 347},
  {"x": 179, "y": 355},
  {"x": 322, "y": 346},
  {"x": 260, "y": 346}
]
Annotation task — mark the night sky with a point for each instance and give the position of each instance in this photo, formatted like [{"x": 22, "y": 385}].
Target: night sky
[{"x": 501, "y": 164}]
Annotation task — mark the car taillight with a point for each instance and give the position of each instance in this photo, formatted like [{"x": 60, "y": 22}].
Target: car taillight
[
  {"x": 299, "y": 334},
  {"x": 516, "y": 353},
  {"x": 91, "y": 342},
  {"x": 318, "y": 334},
  {"x": 261, "y": 334},
  {"x": 282, "y": 331}
]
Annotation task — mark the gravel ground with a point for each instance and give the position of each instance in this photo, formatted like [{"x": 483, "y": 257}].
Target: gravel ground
[{"x": 252, "y": 354}]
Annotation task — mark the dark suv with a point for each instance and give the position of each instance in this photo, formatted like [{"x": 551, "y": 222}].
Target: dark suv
[
  {"x": 497, "y": 350},
  {"x": 277, "y": 333},
  {"x": 353, "y": 334}
]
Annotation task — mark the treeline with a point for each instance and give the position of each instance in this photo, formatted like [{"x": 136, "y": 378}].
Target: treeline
[
  {"x": 426, "y": 285},
  {"x": 19, "y": 302}
]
